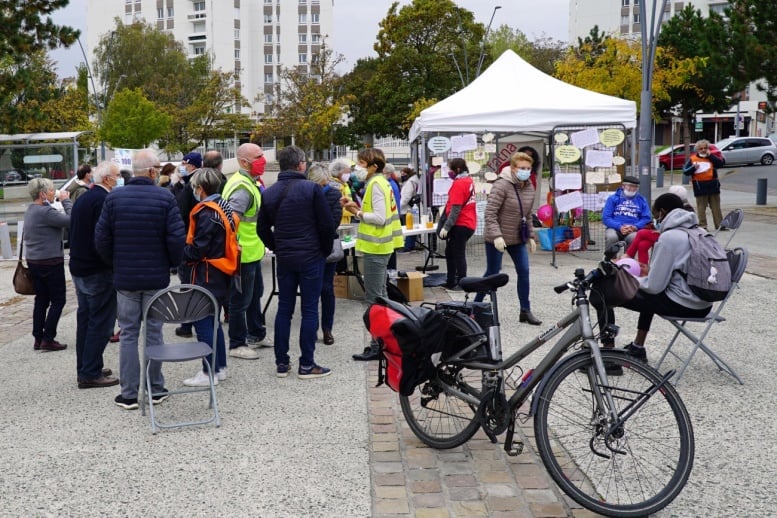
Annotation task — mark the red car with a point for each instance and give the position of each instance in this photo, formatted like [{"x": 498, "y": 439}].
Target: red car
[{"x": 674, "y": 158}]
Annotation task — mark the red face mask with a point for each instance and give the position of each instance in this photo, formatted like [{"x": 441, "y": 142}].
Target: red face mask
[{"x": 257, "y": 166}]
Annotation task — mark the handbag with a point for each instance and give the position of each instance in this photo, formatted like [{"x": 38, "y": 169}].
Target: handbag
[
  {"x": 337, "y": 253},
  {"x": 22, "y": 277},
  {"x": 523, "y": 228},
  {"x": 617, "y": 286}
]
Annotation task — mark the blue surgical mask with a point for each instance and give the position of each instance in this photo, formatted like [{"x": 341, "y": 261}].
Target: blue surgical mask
[
  {"x": 182, "y": 170},
  {"x": 119, "y": 182},
  {"x": 656, "y": 224},
  {"x": 523, "y": 174}
]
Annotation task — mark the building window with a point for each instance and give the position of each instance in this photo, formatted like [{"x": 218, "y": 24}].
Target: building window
[
  {"x": 237, "y": 34},
  {"x": 237, "y": 53},
  {"x": 303, "y": 2},
  {"x": 160, "y": 13},
  {"x": 199, "y": 6},
  {"x": 636, "y": 2},
  {"x": 268, "y": 78},
  {"x": 314, "y": 18},
  {"x": 303, "y": 18},
  {"x": 303, "y": 58},
  {"x": 625, "y": 3},
  {"x": 636, "y": 17},
  {"x": 268, "y": 38},
  {"x": 316, "y": 38},
  {"x": 625, "y": 19},
  {"x": 267, "y": 18},
  {"x": 198, "y": 27},
  {"x": 269, "y": 98},
  {"x": 268, "y": 58},
  {"x": 170, "y": 12},
  {"x": 303, "y": 38},
  {"x": 199, "y": 50}
]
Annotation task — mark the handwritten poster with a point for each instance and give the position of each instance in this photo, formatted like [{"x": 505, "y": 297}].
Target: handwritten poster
[{"x": 585, "y": 138}]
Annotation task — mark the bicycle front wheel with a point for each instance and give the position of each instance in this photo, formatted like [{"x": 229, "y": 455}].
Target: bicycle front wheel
[{"x": 633, "y": 469}]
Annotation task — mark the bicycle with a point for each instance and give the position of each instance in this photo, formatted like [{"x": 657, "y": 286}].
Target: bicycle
[{"x": 616, "y": 444}]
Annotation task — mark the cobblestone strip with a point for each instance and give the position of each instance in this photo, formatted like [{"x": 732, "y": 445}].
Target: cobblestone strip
[{"x": 476, "y": 479}]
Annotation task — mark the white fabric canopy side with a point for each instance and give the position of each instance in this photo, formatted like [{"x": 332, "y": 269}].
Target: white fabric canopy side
[{"x": 512, "y": 96}]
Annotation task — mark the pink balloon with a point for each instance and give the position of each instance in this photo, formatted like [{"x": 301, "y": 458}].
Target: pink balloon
[
  {"x": 545, "y": 215},
  {"x": 630, "y": 265},
  {"x": 579, "y": 212}
]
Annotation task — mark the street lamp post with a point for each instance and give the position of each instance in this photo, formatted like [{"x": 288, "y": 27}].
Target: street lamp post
[
  {"x": 483, "y": 43},
  {"x": 649, "y": 42},
  {"x": 96, "y": 101}
]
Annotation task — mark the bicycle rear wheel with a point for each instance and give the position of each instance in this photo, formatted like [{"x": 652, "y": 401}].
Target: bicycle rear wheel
[
  {"x": 438, "y": 417},
  {"x": 642, "y": 466}
]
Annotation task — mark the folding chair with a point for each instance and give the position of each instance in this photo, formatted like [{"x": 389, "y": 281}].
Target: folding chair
[
  {"x": 737, "y": 258},
  {"x": 177, "y": 305},
  {"x": 732, "y": 221}
]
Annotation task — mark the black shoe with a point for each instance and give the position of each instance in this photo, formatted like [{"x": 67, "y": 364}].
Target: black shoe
[
  {"x": 184, "y": 331},
  {"x": 126, "y": 403},
  {"x": 328, "y": 338},
  {"x": 526, "y": 316},
  {"x": 102, "y": 381},
  {"x": 368, "y": 355},
  {"x": 160, "y": 396},
  {"x": 636, "y": 352}
]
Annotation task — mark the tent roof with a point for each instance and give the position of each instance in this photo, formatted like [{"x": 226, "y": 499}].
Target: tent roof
[{"x": 512, "y": 96}]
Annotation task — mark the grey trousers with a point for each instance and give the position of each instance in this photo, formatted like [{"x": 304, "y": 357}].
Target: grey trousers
[
  {"x": 375, "y": 274},
  {"x": 130, "y": 314}
]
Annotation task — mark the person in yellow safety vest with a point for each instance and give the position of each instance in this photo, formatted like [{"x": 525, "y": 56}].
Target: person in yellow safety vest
[
  {"x": 246, "y": 321},
  {"x": 379, "y": 232}
]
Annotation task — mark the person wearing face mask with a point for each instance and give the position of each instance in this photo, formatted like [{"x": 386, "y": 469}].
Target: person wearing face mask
[
  {"x": 379, "y": 232},
  {"x": 508, "y": 227},
  {"x": 664, "y": 291},
  {"x": 411, "y": 186},
  {"x": 460, "y": 221},
  {"x": 246, "y": 321},
  {"x": 211, "y": 256},
  {"x": 93, "y": 281},
  {"x": 44, "y": 250},
  {"x": 625, "y": 212},
  {"x": 703, "y": 167},
  {"x": 340, "y": 173},
  {"x": 140, "y": 234}
]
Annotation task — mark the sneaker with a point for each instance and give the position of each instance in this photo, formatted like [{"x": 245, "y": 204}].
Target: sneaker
[
  {"x": 314, "y": 371},
  {"x": 126, "y": 403},
  {"x": 636, "y": 352},
  {"x": 255, "y": 343},
  {"x": 244, "y": 352},
  {"x": 222, "y": 374},
  {"x": 184, "y": 331},
  {"x": 282, "y": 370},
  {"x": 160, "y": 397},
  {"x": 201, "y": 379}
]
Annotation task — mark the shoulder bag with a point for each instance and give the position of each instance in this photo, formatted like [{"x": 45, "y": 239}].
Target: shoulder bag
[{"x": 22, "y": 277}]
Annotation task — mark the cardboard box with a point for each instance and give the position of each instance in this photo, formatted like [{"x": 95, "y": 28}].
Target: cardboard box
[
  {"x": 341, "y": 286},
  {"x": 412, "y": 286}
]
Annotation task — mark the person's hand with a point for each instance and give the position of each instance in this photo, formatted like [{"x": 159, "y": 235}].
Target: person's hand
[
  {"x": 344, "y": 201},
  {"x": 443, "y": 234},
  {"x": 532, "y": 244},
  {"x": 499, "y": 244},
  {"x": 62, "y": 194}
]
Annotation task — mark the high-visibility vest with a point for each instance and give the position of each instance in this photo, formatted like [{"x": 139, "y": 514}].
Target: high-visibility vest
[
  {"x": 229, "y": 262},
  {"x": 707, "y": 175},
  {"x": 251, "y": 245},
  {"x": 380, "y": 240}
]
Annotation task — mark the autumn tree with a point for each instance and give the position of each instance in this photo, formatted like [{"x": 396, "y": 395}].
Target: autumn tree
[
  {"x": 308, "y": 105},
  {"x": 541, "y": 53},
  {"x": 427, "y": 49},
  {"x": 132, "y": 120}
]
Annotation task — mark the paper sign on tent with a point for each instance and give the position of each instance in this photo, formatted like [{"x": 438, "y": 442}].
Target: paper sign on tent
[
  {"x": 584, "y": 138},
  {"x": 464, "y": 143},
  {"x": 597, "y": 158},
  {"x": 567, "y": 181},
  {"x": 567, "y": 202}
]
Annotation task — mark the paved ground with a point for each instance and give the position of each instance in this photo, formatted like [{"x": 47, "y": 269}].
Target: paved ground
[{"x": 339, "y": 446}]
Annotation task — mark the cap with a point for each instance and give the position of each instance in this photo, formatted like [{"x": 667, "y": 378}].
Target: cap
[
  {"x": 631, "y": 179},
  {"x": 194, "y": 159}
]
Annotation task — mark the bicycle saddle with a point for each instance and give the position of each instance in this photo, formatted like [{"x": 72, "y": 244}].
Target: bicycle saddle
[{"x": 490, "y": 283}]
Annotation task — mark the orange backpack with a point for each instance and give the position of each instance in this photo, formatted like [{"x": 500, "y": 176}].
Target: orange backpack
[{"x": 229, "y": 263}]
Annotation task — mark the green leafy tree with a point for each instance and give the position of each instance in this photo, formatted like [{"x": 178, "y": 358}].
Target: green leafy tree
[
  {"x": 427, "y": 49},
  {"x": 310, "y": 106},
  {"x": 132, "y": 121},
  {"x": 542, "y": 54},
  {"x": 26, "y": 29}
]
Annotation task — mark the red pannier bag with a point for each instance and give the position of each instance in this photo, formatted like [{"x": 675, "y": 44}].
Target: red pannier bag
[{"x": 408, "y": 336}]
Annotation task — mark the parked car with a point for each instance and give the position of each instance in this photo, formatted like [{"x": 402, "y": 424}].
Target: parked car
[
  {"x": 12, "y": 176},
  {"x": 747, "y": 150},
  {"x": 674, "y": 158}
]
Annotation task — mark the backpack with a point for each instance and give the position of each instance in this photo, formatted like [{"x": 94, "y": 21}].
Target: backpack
[
  {"x": 408, "y": 338},
  {"x": 229, "y": 263},
  {"x": 708, "y": 272}
]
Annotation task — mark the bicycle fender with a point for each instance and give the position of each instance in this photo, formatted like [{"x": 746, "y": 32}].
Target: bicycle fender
[{"x": 546, "y": 377}]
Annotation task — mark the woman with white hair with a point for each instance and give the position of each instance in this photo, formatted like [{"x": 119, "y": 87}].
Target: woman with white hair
[
  {"x": 340, "y": 172},
  {"x": 332, "y": 193},
  {"x": 44, "y": 250}
]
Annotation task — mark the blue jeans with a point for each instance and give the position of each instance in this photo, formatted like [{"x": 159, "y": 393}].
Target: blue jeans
[
  {"x": 328, "y": 297},
  {"x": 308, "y": 278},
  {"x": 49, "y": 282},
  {"x": 130, "y": 310},
  {"x": 245, "y": 306},
  {"x": 204, "y": 330},
  {"x": 94, "y": 321},
  {"x": 520, "y": 257}
]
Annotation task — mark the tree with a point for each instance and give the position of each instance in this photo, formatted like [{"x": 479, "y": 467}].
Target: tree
[
  {"x": 132, "y": 121},
  {"x": 308, "y": 105},
  {"x": 428, "y": 49},
  {"x": 752, "y": 45},
  {"x": 542, "y": 53},
  {"x": 23, "y": 31}
]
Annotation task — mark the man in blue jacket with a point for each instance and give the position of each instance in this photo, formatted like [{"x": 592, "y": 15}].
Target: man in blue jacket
[
  {"x": 296, "y": 223},
  {"x": 93, "y": 280},
  {"x": 140, "y": 233},
  {"x": 624, "y": 213}
]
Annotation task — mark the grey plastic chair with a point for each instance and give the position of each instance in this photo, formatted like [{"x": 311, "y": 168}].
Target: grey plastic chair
[
  {"x": 737, "y": 258},
  {"x": 176, "y": 305},
  {"x": 732, "y": 222}
]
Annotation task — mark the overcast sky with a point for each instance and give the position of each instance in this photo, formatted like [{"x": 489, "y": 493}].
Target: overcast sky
[{"x": 356, "y": 24}]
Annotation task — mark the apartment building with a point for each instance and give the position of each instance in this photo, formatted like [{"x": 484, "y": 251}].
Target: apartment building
[{"x": 253, "y": 38}]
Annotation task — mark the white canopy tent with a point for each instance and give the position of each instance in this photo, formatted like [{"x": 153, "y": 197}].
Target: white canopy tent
[{"x": 512, "y": 96}]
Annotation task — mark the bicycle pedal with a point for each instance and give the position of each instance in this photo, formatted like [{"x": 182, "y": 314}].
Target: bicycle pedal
[{"x": 514, "y": 449}]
